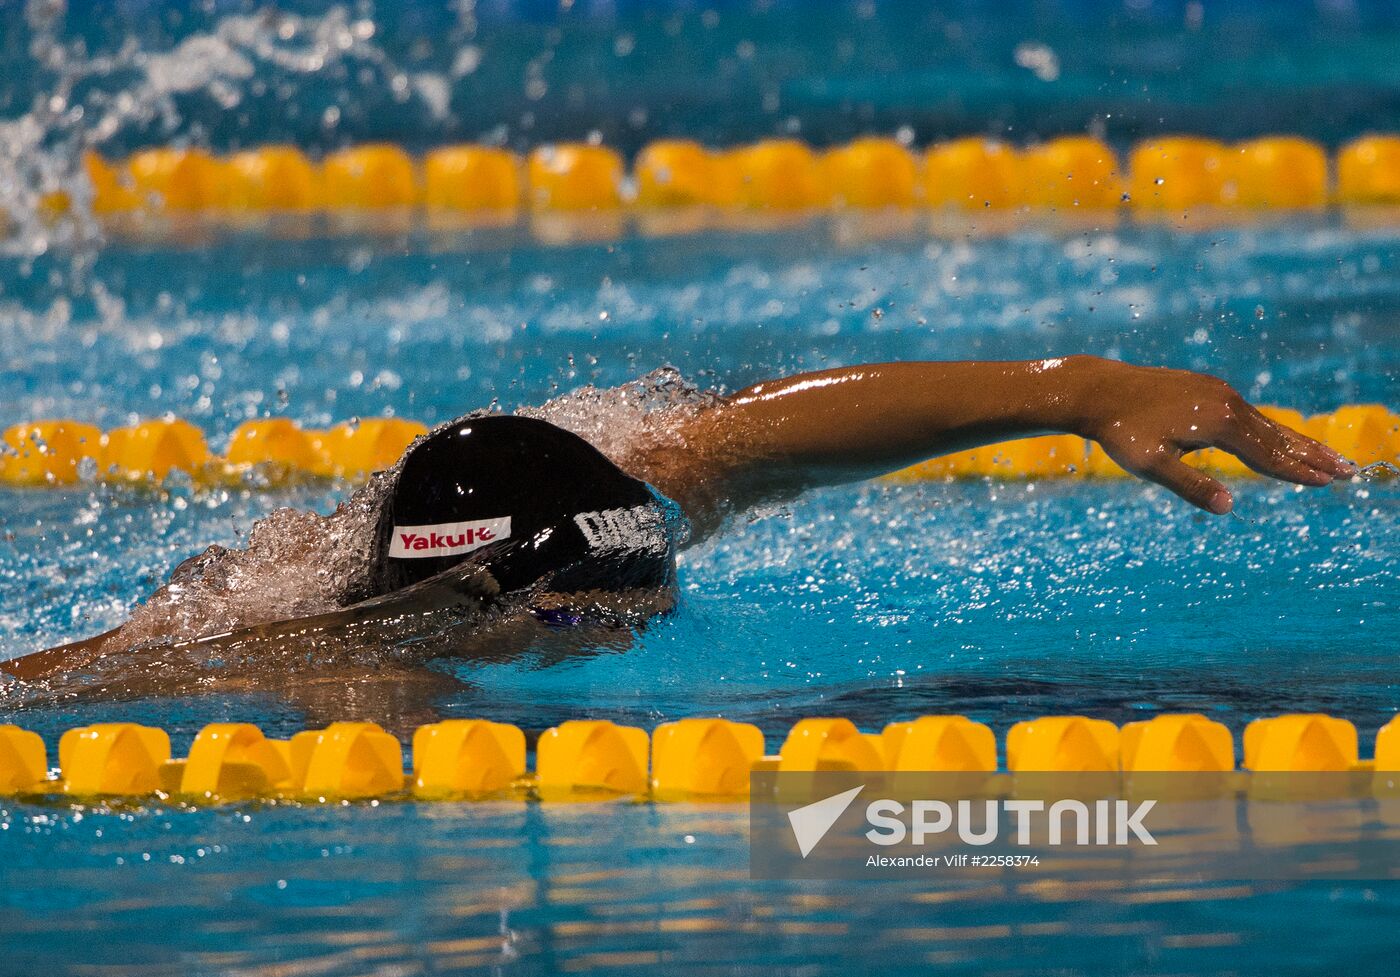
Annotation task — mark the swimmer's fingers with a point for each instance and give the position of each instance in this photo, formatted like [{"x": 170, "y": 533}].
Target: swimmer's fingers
[
  {"x": 1278, "y": 452},
  {"x": 1313, "y": 452},
  {"x": 1168, "y": 470}
]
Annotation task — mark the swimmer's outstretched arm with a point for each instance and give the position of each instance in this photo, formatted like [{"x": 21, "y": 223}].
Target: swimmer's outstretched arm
[{"x": 777, "y": 438}]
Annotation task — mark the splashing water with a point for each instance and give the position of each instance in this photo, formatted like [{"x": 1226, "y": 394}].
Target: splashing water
[
  {"x": 85, "y": 102},
  {"x": 299, "y": 563},
  {"x": 296, "y": 564},
  {"x": 630, "y": 421}
]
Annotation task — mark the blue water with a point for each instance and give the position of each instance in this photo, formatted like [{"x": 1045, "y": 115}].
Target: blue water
[
  {"x": 733, "y": 70},
  {"x": 878, "y": 602}
]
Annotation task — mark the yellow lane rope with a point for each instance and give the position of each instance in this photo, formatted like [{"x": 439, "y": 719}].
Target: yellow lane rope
[
  {"x": 1168, "y": 174},
  {"x": 464, "y": 759},
  {"x": 66, "y": 452}
]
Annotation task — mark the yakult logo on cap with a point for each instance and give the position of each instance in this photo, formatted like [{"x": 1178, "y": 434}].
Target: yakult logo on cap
[{"x": 447, "y": 538}]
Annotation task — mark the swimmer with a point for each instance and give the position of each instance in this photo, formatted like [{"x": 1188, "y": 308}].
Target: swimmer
[{"x": 495, "y": 529}]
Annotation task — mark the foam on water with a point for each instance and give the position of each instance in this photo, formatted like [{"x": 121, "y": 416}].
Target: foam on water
[
  {"x": 298, "y": 563},
  {"x": 84, "y": 101},
  {"x": 877, "y": 602},
  {"x": 629, "y": 420},
  {"x": 428, "y": 335}
]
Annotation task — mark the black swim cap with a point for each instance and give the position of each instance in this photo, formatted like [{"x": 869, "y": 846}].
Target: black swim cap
[{"x": 531, "y": 502}]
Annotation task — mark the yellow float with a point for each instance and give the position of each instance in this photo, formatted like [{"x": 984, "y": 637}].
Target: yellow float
[
  {"x": 179, "y": 180},
  {"x": 472, "y": 178},
  {"x": 973, "y": 174},
  {"x": 1279, "y": 172},
  {"x": 271, "y": 178},
  {"x": 575, "y": 177},
  {"x": 776, "y": 174},
  {"x": 1072, "y": 172},
  {"x": 1368, "y": 171},
  {"x": 151, "y": 450},
  {"x": 1177, "y": 173},
  {"x": 870, "y": 173},
  {"x": 675, "y": 173},
  {"x": 48, "y": 452},
  {"x": 375, "y": 176}
]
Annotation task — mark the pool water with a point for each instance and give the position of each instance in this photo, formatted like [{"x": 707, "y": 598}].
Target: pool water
[{"x": 1001, "y": 600}]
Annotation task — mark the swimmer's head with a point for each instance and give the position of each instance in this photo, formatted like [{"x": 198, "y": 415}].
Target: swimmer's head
[{"x": 535, "y": 504}]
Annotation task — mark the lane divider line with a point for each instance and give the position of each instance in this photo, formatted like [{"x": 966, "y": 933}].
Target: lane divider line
[
  {"x": 688, "y": 760},
  {"x": 59, "y": 452},
  {"x": 1164, "y": 174}
]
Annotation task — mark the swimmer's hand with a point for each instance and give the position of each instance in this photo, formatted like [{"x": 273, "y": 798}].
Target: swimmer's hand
[
  {"x": 771, "y": 441},
  {"x": 1147, "y": 418}
]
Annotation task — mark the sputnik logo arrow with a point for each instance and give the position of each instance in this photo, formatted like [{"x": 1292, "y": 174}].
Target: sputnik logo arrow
[{"x": 811, "y": 823}]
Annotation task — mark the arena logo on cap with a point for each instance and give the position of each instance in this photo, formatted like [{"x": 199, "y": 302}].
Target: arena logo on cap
[
  {"x": 447, "y": 538},
  {"x": 641, "y": 527}
]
